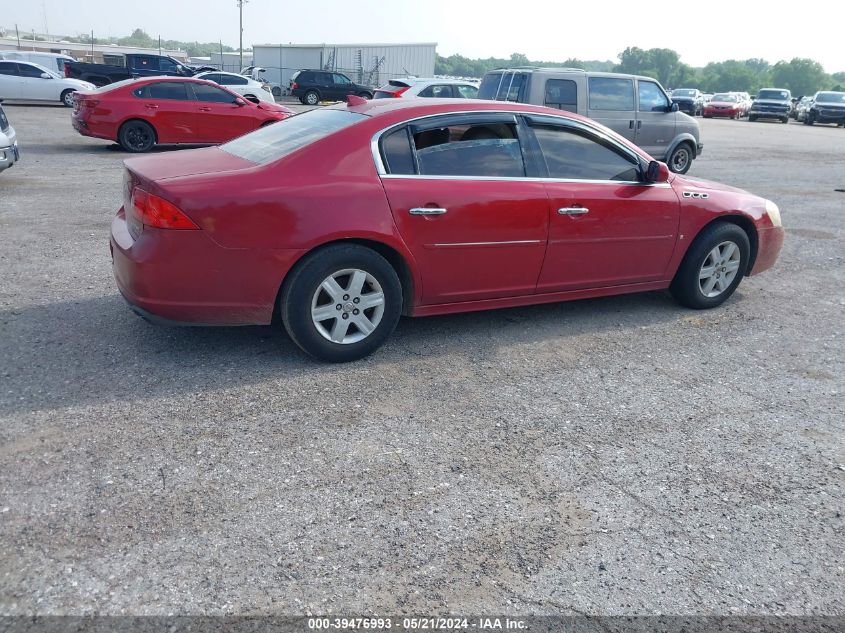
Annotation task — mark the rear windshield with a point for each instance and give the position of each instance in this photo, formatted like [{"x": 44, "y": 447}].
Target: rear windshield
[
  {"x": 276, "y": 141},
  {"x": 114, "y": 86},
  {"x": 776, "y": 95}
]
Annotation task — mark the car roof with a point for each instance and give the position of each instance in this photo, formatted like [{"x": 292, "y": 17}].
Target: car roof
[{"x": 581, "y": 71}]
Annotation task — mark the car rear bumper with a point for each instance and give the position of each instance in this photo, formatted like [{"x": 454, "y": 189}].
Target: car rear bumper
[
  {"x": 769, "y": 243},
  {"x": 185, "y": 277},
  {"x": 83, "y": 128}
]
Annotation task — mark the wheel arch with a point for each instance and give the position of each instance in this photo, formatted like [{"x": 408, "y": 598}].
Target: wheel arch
[
  {"x": 396, "y": 260},
  {"x": 743, "y": 222},
  {"x": 685, "y": 137}
]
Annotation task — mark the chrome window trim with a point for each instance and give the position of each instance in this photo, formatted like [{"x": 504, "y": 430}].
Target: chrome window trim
[{"x": 382, "y": 171}]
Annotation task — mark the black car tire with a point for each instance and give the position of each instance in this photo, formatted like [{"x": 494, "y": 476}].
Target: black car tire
[
  {"x": 298, "y": 295},
  {"x": 785, "y": 119},
  {"x": 365, "y": 95},
  {"x": 136, "y": 136},
  {"x": 751, "y": 118},
  {"x": 311, "y": 98},
  {"x": 808, "y": 120},
  {"x": 686, "y": 286},
  {"x": 67, "y": 98},
  {"x": 680, "y": 160}
]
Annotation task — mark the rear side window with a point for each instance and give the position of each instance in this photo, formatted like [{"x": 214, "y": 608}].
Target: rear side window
[
  {"x": 483, "y": 150},
  {"x": 276, "y": 141},
  {"x": 562, "y": 94},
  {"x": 467, "y": 92},
  {"x": 573, "y": 154},
  {"x": 8, "y": 68},
  {"x": 439, "y": 92},
  {"x": 144, "y": 63},
  {"x": 231, "y": 80},
  {"x": 397, "y": 154},
  {"x": 170, "y": 90},
  {"x": 607, "y": 93},
  {"x": 210, "y": 94}
]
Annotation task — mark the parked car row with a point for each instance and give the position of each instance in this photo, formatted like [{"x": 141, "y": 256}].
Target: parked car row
[{"x": 826, "y": 106}]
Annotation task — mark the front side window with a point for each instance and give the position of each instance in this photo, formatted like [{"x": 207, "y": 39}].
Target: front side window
[
  {"x": 340, "y": 79},
  {"x": 467, "y": 92},
  {"x": 145, "y": 63},
  {"x": 210, "y": 94},
  {"x": 562, "y": 94},
  {"x": 608, "y": 93},
  {"x": 167, "y": 65},
  {"x": 651, "y": 97},
  {"x": 483, "y": 150},
  {"x": 574, "y": 154},
  {"x": 169, "y": 90}
]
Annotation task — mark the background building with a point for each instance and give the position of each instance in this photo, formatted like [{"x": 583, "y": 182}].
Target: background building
[
  {"x": 98, "y": 53},
  {"x": 370, "y": 64}
]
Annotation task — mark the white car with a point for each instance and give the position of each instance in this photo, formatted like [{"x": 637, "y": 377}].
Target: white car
[
  {"x": 25, "y": 81},
  {"x": 438, "y": 88},
  {"x": 8, "y": 143},
  {"x": 253, "y": 90}
]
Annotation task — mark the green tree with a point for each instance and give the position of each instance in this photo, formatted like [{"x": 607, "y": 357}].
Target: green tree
[{"x": 801, "y": 76}]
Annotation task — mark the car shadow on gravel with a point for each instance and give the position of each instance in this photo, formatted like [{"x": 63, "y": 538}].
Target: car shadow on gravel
[{"x": 94, "y": 350}]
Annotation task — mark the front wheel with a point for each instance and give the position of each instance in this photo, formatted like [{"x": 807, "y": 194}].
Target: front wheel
[
  {"x": 680, "y": 159},
  {"x": 341, "y": 303},
  {"x": 713, "y": 267},
  {"x": 67, "y": 98},
  {"x": 808, "y": 120},
  {"x": 136, "y": 136},
  {"x": 752, "y": 118},
  {"x": 312, "y": 98},
  {"x": 365, "y": 95}
]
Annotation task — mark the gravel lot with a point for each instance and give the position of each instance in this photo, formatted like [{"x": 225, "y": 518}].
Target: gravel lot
[{"x": 612, "y": 456}]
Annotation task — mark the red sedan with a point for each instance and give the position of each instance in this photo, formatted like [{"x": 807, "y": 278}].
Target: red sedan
[
  {"x": 140, "y": 113},
  {"x": 723, "y": 105},
  {"x": 343, "y": 218}
]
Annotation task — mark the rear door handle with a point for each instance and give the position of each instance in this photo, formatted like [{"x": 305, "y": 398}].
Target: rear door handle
[
  {"x": 151, "y": 106},
  {"x": 427, "y": 211},
  {"x": 631, "y": 124},
  {"x": 573, "y": 211}
]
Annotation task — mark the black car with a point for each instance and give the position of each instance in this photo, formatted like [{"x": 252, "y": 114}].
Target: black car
[
  {"x": 689, "y": 100},
  {"x": 826, "y": 107},
  {"x": 313, "y": 86}
]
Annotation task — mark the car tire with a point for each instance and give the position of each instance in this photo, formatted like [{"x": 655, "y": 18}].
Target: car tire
[
  {"x": 365, "y": 95},
  {"x": 680, "y": 160},
  {"x": 723, "y": 250},
  {"x": 358, "y": 275},
  {"x": 751, "y": 119},
  {"x": 67, "y": 98},
  {"x": 311, "y": 98},
  {"x": 136, "y": 136},
  {"x": 785, "y": 119},
  {"x": 808, "y": 120}
]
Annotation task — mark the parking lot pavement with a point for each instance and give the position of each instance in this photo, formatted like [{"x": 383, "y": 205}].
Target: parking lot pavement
[{"x": 611, "y": 456}]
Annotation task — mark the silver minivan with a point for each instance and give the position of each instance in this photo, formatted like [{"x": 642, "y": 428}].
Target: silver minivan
[{"x": 635, "y": 107}]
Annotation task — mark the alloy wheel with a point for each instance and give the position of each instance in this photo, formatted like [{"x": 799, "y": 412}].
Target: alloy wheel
[
  {"x": 719, "y": 269},
  {"x": 347, "y": 306}
]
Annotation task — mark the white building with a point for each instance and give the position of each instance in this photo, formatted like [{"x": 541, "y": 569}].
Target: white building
[{"x": 369, "y": 64}]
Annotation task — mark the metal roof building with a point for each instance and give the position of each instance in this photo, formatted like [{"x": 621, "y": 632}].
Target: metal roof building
[{"x": 370, "y": 64}]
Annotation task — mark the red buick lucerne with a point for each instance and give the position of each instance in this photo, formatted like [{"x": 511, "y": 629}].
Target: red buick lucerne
[
  {"x": 140, "y": 113},
  {"x": 343, "y": 218}
]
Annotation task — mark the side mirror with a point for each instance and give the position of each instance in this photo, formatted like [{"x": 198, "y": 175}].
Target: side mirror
[
  {"x": 657, "y": 172},
  {"x": 46, "y": 76},
  {"x": 673, "y": 107},
  {"x": 240, "y": 102}
]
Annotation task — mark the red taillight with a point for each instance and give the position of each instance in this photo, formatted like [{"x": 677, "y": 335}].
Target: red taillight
[
  {"x": 158, "y": 212},
  {"x": 398, "y": 93},
  {"x": 294, "y": 85}
]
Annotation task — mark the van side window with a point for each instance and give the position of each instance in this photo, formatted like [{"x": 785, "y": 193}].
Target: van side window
[
  {"x": 609, "y": 93},
  {"x": 562, "y": 94},
  {"x": 651, "y": 97},
  {"x": 577, "y": 155}
]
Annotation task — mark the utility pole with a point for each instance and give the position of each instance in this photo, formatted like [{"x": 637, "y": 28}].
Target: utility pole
[
  {"x": 18, "y": 34},
  {"x": 241, "y": 44}
]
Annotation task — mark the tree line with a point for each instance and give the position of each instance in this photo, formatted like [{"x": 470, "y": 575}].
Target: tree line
[
  {"x": 142, "y": 39},
  {"x": 801, "y": 76}
]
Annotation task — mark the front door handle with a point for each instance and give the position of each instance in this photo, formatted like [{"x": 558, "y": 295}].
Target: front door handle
[
  {"x": 573, "y": 211},
  {"x": 427, "y": 211},
  {"x": 639, "y": 125},
  {"x": 205, "y": 109},
  {"x": 631, "y": 124}
]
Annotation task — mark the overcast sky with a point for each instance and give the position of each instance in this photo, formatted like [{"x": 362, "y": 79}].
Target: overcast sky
[{"x": 542, "y": 29}]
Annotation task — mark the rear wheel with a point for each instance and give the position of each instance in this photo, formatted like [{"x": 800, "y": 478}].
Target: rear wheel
[
  {"x": 67, "y": 98},
  {"x": 680, "y": 159},
  {"x": 365, "y": 95},
  {"x": 341, "y": 303},
  {"x": 713, "y": 267},
  {"x": 136, "y": 136}
]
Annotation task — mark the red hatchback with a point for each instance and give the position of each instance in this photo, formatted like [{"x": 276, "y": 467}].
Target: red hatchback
[
  {"x": 140, "y": 113},
  {"x": 343, "y": 218}
]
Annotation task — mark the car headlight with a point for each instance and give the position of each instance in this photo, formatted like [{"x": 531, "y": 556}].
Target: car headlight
[{"x": 773, "y": 212}]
